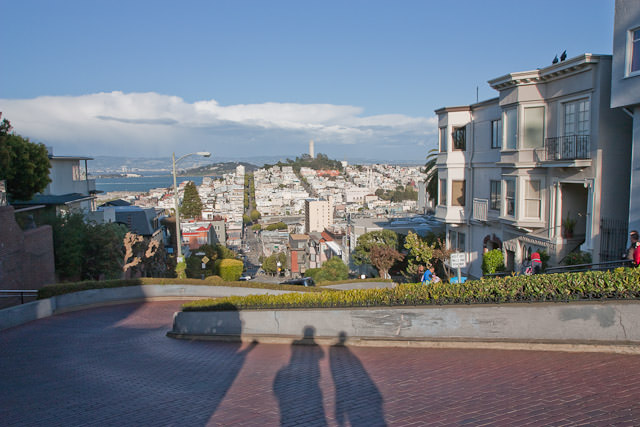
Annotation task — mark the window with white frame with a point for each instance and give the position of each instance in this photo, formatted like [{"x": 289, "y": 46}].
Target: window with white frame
[
  {"x": 494, "y": 195},
  {"x": 442, "y": 200},
  {"x": 496, "y": 133},
  {"x": 510, "y": 132},
  {"x": 633, "y": 55},
  {"x": 510, "y": 197},
  {"x": 443, "y": 139},
  {"x": 577, "y": 117},
  {"x": 457, "y": 193},
  {"x": 532, "y": 199},
  {"x": 533, "y": 127}
]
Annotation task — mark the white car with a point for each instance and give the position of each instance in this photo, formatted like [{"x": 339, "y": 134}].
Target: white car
[{"x": 245, "y": 278}]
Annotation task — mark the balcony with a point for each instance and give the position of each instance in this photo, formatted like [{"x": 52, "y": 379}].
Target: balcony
[
  {"x": 567, "y": 151},
  {"x": 480, "y": 209}
]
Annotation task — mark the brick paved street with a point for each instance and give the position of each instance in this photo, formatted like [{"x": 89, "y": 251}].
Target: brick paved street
[{"x": 115, "y": 366}]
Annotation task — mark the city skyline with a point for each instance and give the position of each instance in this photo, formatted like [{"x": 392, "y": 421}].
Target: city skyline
[{"x": 247, "y": 78}]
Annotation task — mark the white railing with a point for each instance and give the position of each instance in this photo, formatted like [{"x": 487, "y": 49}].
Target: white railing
[{"x": 480, "y": 208}]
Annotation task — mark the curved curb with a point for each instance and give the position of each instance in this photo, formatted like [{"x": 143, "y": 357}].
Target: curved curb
[
  {"x": 542, "y": 326},
  {"x": 24, "y": 313},
  {"x": 569, "y": 347}
]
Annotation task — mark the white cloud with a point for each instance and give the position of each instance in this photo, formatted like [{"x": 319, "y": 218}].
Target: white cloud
[{"x": 153, "y": 125}]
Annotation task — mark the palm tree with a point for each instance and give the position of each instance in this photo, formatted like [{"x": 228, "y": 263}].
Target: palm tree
[{"x": 431, "y": 170}]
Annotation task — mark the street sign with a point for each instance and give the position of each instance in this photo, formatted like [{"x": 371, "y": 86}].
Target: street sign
[
  {"x": 457, "y": 260},
  {"x": 205, "y": 259}
]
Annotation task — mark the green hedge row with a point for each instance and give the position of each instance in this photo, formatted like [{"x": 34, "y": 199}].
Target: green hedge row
[
  {"x": 621, "y": 284},
  {"x": 340, "y": 282},
  {"x": 66, "y": 288}
]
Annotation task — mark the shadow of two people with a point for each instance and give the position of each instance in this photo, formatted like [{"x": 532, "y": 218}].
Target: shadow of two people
[{"x": 297, "y": 386}]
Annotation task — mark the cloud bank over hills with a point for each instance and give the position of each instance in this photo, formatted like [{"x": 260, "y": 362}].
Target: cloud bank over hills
[{"x": 153, "y": 125}]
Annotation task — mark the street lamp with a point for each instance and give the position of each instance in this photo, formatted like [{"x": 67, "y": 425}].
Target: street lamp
[{"x": 175, "y": 198}]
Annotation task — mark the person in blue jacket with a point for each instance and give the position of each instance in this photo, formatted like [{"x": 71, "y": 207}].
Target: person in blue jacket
[{"x": 428, "y": 275}]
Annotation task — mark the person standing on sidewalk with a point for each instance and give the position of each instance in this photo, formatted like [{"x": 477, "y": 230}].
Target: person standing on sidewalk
[{"x": 633, "y": 253}]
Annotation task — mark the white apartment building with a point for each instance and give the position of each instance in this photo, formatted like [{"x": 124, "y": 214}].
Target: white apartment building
[
  {"x": 625, "y": 89},
  {"x": 318, "y": 215},
  {"x": 515, "y": 170}
]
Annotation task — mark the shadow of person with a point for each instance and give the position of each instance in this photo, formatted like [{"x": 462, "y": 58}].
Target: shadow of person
[
  {"x": 358, "y": 400},
  {"x": 135, "y": 351},
  {"x": 296, "y": 385}
]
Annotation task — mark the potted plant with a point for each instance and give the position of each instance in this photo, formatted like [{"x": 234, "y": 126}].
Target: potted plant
[{"x": 568, "y": 224}]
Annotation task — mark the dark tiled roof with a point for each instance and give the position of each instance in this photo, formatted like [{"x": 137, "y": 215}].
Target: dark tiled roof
[{"x": 51, "y": 199}]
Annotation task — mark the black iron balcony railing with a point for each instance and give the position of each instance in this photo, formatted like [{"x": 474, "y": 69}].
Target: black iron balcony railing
[{"x": 571, "y": 147}]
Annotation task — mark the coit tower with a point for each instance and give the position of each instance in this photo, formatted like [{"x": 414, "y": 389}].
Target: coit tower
[{"x": 311, "y": 149}]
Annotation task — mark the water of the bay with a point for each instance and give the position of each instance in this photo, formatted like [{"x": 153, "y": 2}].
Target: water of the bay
[{"x": 141, "y": 184}]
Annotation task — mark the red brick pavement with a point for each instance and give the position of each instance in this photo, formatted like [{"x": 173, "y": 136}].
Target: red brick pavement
[{"x": 114, "y": 366}]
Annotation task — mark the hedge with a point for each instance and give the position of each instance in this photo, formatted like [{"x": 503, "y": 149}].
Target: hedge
[
  {"x": 66, "y": 288},
  {"x": 230, "y": 269},
  {"x": 622, "y": 283}
]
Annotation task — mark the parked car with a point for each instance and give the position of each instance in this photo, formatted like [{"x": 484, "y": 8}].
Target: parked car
[
  {"x": 305, "y": 281},
  {"x": 245, "y": 278}
]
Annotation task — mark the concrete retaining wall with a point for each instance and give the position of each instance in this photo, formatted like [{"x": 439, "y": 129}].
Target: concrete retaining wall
[
  {"x": 611, "y": 322},
  {"x": 28, "y": 312}
]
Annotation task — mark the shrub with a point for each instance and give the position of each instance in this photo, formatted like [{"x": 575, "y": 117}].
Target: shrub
[
  {"x": 230, "y": 269},
  {"x": 492, "y": 261},
  {"x": 70, "y": 287},
  {"x": 313, "y": 273},
  {"x": 622, "y": 283}
]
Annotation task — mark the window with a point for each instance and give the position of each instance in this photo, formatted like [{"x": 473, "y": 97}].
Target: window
[
  {"x": 443, "y": 193},
  {"x": 78, "y": 174},
  {"x": 533, "y": 127},
  {"x": 510, "y": 197},
  {"x": 496, "y": 133},
  {"x": 510, "y": 128},
  {"x": 443, "y": 139},
  {"x": 576, "y": 118},
  {"x": 634, "y": 51},
  {"x": 457, "y": 193},
  {"x": 456, "y": 241},
  {"x": 532, "y": 200},
  {"x": 494, "y": 195},
  {"x": 459, "y": 138}
]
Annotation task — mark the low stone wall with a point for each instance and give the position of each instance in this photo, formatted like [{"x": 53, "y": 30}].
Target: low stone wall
[
  {"x": 28, "y": 312},
  {"x": 584, "y": 322}
]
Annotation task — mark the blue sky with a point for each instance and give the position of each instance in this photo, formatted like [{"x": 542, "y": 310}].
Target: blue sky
[{"x": 242, "y": 78}]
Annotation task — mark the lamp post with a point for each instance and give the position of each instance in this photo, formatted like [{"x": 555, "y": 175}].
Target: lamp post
[{"x": 175, "y": 198}]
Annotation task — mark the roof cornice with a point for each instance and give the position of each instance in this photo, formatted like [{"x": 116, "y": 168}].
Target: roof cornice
[
  {"x": 453, "y": 109},
  {"x": 561, "y": 69}
]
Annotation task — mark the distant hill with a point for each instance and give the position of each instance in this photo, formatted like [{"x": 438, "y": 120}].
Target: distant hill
[{"x": 219, "y": 168}]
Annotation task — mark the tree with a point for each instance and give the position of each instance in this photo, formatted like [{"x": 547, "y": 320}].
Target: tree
[
  {"x": 24, "y": 165},
  {"x": 86, "y": 251},
  {"x": 194, "y": 262},
  {"x": 431, "y": 170},
  {"x": 277, "y": 226},
  {"x": 191, "y": 203},
  {"x": 371, "y": 239},
  {"x": 255, "y": 215},
  {"x": 420, "y": 254},
  {"x": 333, "y": 269},
  {"x": 270, "y": 263},
  {"x": 383, "y": 257}
]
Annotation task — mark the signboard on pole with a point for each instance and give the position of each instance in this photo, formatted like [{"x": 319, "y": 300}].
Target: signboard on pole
[{"x": 457, "y": 260}]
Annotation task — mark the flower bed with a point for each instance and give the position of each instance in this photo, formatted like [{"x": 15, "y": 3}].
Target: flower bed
[{"x": 622, "y": 283}]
